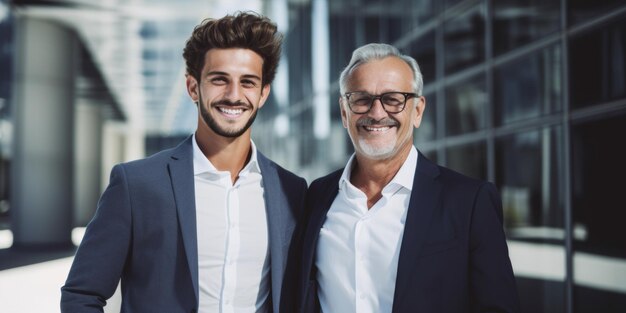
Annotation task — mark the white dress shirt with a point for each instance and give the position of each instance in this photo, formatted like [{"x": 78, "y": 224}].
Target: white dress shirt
[
  {"x": 233, "y": 257},
  {"x": 358, "y": 249}
]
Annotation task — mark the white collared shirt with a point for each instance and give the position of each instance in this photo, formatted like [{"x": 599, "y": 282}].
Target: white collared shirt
[
  {"x": 358, "y": 249},
  {"x": 233, "y": 255}
]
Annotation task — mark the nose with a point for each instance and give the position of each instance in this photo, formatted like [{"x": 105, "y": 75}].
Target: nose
[
  {"x": 377, "y": 111},
  {"x": 233, "y": 92}
]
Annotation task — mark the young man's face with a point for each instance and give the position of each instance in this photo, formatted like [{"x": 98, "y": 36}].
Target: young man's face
[
  {"x": 229, "y": 92},
  {"x": 378, "y": 134}
]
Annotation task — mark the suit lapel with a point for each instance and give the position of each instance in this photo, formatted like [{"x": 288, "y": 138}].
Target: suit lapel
[
  {"x": 278, "y": 213},
  {"x": 181, "y": 173},
  {"x": 321, "y": 202},
  {"x": 424, "y": 200}
]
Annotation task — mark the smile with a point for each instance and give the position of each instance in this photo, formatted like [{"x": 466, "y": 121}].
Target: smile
[
  {"x": 230, "y": 111},
  {"x": 376, "y": 129}
]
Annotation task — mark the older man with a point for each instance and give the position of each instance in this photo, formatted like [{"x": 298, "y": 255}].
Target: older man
[{"x": 392, "y": 231}]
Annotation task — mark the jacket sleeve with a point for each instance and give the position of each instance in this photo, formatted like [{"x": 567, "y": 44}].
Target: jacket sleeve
[
  {"x": 100, "y": 258},
  {"x": 492, "y": 284}
]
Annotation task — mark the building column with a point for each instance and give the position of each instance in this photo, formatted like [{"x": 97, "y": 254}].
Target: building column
[
  {"x": 42, "y": 169},
  {"x": 87, "y": 160}
]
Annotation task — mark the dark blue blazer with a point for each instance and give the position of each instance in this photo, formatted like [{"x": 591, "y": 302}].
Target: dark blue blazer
[
  {"x": 144, "y": 232},
  {"x": 453, "y": 255}
]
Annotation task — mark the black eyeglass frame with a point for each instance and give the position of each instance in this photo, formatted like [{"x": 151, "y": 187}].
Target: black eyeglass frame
[{"x": 407, "y": 96}]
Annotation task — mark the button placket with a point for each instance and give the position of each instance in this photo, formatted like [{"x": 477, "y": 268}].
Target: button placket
[{"x": 232, "y": 250}]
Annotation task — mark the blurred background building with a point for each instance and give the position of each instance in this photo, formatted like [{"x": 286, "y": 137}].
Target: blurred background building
[{"x": 528, "y": 94}]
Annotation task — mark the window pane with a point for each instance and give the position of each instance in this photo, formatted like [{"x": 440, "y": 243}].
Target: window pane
[
  {"x": 519, "y": 22},
  {"x": 451, "y": 3},
  {"x": 528, "y": 169},
  {"x": 421, "y": 11},
  {"x": 529, "y": 87},
  {"x": 423, "y": 51},
  {"x": 528, "y": 175},
  {"x": 464, "y": 40},
  {"x": 599, "y": 206},
  {"x": 465, "y": 106},
  {"x": 371, "y": 23},
  {"x": 469, "y": 159},
  {"x": 583, "y": 10},
  {"x": 598, "y": 65},
  {"x": 6, "y": 73},
  {"x": 427, "y": 130}
]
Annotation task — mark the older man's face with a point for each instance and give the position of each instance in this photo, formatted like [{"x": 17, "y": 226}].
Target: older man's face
[{"x": 378, "y": 134}]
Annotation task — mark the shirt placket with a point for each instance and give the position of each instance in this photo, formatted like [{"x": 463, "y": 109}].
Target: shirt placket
[
  {"x": 361, "y": 250},
  {"x": 229, "y": 283}
]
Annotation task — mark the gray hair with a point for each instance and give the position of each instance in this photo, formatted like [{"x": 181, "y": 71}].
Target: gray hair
[{"x": 378, "y": 51}]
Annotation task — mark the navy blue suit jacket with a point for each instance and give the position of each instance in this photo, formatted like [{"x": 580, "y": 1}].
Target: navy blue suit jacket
[
  {"x": 144, "y": 232},
  {"x": 453, "y": 255}
]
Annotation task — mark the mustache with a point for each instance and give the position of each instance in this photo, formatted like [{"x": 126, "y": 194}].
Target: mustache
[
  {"x": 368, "y": 121},
  {"x": 232, "y": 103}
]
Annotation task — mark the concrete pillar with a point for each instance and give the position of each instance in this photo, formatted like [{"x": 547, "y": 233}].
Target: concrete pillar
[
  {"x": 42, "y": 171},
  {"x": 113, "y": 151},
  {"x": 87, "y": 160}
]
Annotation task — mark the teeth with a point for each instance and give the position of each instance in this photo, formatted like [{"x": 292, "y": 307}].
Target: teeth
[
  {"x": 231, "y": 111},
  {"x": 377, "y": 129}
]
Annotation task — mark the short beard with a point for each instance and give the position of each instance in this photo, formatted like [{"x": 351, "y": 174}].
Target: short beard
[
  {"x": 209, "y": 120},
  {"x": 376, "y": 153},
  {"x": 381, "y": 152}
]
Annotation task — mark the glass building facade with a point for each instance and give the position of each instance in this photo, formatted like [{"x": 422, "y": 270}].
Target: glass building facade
[
  {"x": 528, "y": 94},
  {"x": 6, "y": 72}
]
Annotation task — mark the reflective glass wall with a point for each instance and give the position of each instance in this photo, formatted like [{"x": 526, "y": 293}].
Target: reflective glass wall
[
  {"x": 528, "y": 94},
  {"x": 6, "y": 67}
]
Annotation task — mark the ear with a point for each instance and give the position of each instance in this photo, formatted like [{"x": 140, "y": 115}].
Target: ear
[
  {"x": 192, "y": 87},
  {"x": 418, "y": 111},
  {"x": 265, "y": 92},
  {"x": 344, "y": 117}
]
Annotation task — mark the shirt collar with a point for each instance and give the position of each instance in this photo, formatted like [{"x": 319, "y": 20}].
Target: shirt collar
[
  {"x": 404, "y": 177},
  {"x": 202, "y": 165}
]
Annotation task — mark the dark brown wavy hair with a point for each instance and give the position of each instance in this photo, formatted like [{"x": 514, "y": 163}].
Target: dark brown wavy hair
[{"x": 247, "y": 30}]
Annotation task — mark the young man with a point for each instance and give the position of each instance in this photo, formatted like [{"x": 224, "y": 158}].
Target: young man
[
  {"x": 394, "y": 232},
  {"x": 205, "y": 226}
]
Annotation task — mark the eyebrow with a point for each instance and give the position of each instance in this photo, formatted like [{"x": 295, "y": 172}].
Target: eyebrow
[{"x": 248, "y": 76}]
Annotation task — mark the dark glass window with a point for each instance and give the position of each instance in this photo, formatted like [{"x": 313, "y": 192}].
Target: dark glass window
[
  {"x": 309, "y": 146},
  {"x": 372, "y": 28},
  {"x": 427, "y": 130},
  {"x": 599, "y": 214},
  {"x": 598, "y": 65},
  {"x": 392, "y": 28},
  {"x": 528, "y": 173},
  {"x": 423, "y": 51},
  {"x": 583, "y": 10},
  {"x": 451, "y": 3},
  {"x": 465, "y": 106},
  {"x": 298, "y": 47},
  {"x": 342, "y": 30},
  {"x": 6, "y": 73},
  {"x": 529, "y": 87},
  {"x": 464, "y": 40},
  {"x": 469, "y": 159},
  {"x": 420, "y": 12},
  {"x": 516, "y": 22},
  {"x": 529, "y": 177}
]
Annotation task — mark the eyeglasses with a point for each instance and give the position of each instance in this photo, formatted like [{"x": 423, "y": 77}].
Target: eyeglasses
[{"x": 361, "y": 102}]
